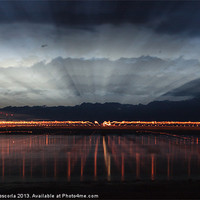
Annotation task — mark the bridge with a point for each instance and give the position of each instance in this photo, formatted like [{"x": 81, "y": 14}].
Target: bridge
[{"x": 103, "y": 125}]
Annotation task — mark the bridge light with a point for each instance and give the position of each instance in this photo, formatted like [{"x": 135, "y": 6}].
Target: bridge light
[
  {"x": 96, "y": 122},
  {"x": 105, "y": 123}
]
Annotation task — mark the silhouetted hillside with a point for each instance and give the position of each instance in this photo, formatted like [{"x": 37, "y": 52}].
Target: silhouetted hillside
[{"x": 188, "y": 110}]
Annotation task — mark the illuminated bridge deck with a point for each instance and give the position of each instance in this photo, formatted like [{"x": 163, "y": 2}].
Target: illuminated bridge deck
[{"x": 106, "y": 125}]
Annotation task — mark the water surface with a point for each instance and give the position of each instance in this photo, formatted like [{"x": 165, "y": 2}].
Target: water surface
[{"x": 96, "y": 157}]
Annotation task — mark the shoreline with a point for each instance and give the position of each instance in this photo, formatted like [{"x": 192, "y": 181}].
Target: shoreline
[{"x": 26, "y": 130}]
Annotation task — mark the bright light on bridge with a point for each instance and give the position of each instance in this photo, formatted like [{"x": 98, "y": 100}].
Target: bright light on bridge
[{"x": 105, "y": 123}]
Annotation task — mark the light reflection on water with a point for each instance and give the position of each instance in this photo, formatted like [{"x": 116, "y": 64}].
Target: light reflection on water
[{"x": 130, "y": 157}]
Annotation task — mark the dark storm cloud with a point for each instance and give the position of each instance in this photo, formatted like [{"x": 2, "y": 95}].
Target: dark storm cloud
[
  {"x": 69, "y": 52},
  {"x": 21, "y": 43},
  {"x": 163, "y": 16},
  {"x": 182, "y": 19}
]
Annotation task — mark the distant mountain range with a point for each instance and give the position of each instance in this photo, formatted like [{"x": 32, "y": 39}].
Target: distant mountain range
[{"x": 188, "y": 110}]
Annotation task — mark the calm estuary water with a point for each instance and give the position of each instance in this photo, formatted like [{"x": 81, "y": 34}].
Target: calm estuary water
[{"x": 76, "y": 158}]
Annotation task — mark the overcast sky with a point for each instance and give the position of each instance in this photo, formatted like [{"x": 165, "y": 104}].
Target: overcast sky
[{"x": 69, "y": 52}]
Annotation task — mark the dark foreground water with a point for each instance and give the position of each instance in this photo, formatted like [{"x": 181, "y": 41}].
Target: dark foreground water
[{"x": 78, "y": 159}]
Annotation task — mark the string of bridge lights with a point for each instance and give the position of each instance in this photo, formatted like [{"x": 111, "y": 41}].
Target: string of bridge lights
[{"x": 96, "y": 123}]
